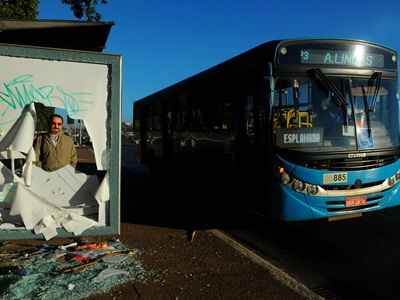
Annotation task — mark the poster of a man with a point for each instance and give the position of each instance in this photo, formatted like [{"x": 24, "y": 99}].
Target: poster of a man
[{"x": 55, "y": 149}]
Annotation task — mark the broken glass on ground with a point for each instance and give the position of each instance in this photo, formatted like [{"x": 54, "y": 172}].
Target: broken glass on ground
[{"x": 49, "y": 272}]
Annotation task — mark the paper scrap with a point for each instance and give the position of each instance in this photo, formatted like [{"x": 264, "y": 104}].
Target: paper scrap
[
  {"x": 39, "y": 214},
  {"x": 30, "y": 206},
  {"x": 21, "y": 134},
  {"x": 7, "y": 226},
  {"x": 103, "y": 192},
  {"x": 66, "y": 188},
  {"x": 27, "y": 169},
  {"x": 48, "y": 227},
  {"x": 77, "y": 224}
]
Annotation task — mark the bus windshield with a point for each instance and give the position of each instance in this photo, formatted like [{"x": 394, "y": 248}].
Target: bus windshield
[{"x": 315, "y": 114}]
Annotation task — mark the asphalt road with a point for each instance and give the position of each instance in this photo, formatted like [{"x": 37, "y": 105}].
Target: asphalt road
[
  {"x": 349, "y": 259},
  {"x": 352, "y": 259}
]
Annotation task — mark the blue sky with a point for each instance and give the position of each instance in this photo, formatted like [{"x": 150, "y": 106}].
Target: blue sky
[{"x": 163, "y": 42}]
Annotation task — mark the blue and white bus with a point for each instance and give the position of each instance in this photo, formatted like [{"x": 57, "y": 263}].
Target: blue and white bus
[{"x": 313, "y": 124}]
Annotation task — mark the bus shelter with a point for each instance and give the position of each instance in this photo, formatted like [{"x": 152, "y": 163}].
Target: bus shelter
[{"x": 81, "y": 84}]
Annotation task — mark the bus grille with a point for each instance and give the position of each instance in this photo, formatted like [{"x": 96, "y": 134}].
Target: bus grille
[
  {"x": 341, "y": 162},
  {"x": 351, "y": 187},
  {"x": 352, "y": 165},
  {"x": 339, "y": 205}
]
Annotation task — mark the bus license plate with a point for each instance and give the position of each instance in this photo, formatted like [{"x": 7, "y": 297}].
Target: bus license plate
[
  {"x": 332, "y": 178},
  {"x": 355, "y": 201}
]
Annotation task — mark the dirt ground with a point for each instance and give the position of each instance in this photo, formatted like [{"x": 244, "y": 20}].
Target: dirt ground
[
  {"x": 85, "y": 154},
  {"x": 206, "y": 268}
]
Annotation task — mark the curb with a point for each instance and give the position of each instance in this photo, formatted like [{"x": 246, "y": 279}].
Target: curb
[{"x": 276, "y": 272}]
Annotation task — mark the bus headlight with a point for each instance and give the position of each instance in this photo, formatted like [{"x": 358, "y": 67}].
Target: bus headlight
[
  {"x": 312, "y": 189},
  {"x": 392, "y": 180},
  {"x": 285, "y": 178},
  {"x": 398, "y": 175},
  {"x": 298, "y": 185}
]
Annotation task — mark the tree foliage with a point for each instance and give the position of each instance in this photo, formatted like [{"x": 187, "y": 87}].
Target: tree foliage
[
  {"x": 28, "y": 9},
  {"x": 85, "y": 8},
  {"x": 19, "y": 9},
  {"x": 43, "y": 114}
]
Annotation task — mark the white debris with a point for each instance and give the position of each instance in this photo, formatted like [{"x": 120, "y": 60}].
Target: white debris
[{"x": 108, "y": 273}]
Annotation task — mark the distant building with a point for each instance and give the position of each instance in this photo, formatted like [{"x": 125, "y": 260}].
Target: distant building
[{"x": 127, "y": 134}]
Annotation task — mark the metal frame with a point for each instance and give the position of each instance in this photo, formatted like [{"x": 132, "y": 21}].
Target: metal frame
[{"x": 114, "y": 63}]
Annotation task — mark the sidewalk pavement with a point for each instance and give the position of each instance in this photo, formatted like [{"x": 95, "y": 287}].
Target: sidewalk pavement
[{"x": 206, "y": 268}]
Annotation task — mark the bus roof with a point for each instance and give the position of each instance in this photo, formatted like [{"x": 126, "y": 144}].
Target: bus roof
[{"x": 263, "y": 52}]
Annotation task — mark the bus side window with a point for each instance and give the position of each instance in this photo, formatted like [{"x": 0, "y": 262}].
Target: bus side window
[
  {"x": 181, "y": 119},
  {"x": 281, "y": 97},
  {"x": 197, "y": 119},
  {"x": 227, "y": 116},
  {"x": 170, "y": 123},
  {"x": 304, "y": 93},
  {"x": 149, "y": 121},
  {"x": 289, "y": 96},
  {"x": 249, "y": 117}
]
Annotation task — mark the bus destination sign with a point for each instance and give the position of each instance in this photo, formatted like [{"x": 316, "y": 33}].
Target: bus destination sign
[
  {"x": 299, "y": 137},
  {"x": 342, "y": 58}
]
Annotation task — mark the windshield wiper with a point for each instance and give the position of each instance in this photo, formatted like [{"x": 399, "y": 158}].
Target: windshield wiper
[
  {"x": 330, "y": 86},
  {"x": 367, "y": 110},
  {"x": 377, "y": 78}
]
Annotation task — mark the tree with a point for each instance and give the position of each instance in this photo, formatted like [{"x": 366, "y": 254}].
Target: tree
[
  {"x": 19, "y": 9},
  {"x": 43, "y": 114},
  {"x": 28, "y": 9},
  {"x": 85, "y": 8}
]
